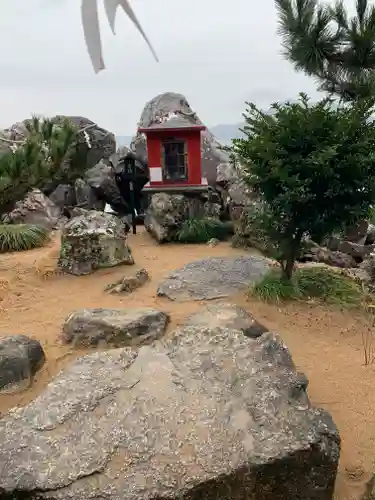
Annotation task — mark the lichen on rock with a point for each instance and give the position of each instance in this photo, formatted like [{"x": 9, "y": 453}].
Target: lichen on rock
[{"x": 91, "y": 241}]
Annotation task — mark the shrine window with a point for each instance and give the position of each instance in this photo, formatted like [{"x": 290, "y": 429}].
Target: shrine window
[{"x": 174, "y": 160}]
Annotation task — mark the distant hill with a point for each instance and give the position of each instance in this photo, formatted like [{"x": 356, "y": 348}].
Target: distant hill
[
  {"x": 223, "y": 132},
  {"x": 226, "y": 132}
]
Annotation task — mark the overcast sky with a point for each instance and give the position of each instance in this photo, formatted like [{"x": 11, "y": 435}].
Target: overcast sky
[{"x": 218, "y": 53}]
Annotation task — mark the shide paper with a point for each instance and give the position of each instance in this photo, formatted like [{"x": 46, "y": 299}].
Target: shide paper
[{"x": 91, "y": 29}]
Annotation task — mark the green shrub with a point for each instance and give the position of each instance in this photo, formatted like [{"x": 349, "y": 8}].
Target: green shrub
[
  {"x": 309, "y": 282},
  {"x": 202, "y": 230},
  {"x": 37, "y": 161},
  {"x": 313, "y": 167},
  {"x": 17, "y": 237}
]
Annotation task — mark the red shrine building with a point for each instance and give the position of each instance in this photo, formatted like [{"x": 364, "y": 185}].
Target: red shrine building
[{"x": 174, "y": 156}]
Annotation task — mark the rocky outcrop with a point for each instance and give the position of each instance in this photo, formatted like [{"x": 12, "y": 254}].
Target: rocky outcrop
[
  {"x": 167, "y": 212},
  {"x": 92, "y": 241},
  {"x": 108, "y": 182},
  {"x": 20, "y": 358},
  {"x": 358, "y": 241},
  {"x": 36, "y": 209},
  {"x": 203, "y": 414},
  {"x": 64, "y": 195},
  {"x": 213, "y": 278},
  {"x": 85, "y": 196},
  {"x": 316, "y": 253},
  {"x": 114, "y": 327}
]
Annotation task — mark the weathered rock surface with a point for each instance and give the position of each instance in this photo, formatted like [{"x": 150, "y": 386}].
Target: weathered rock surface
[
  {"x": 358, "y": 232},
  {"x": 86, "y": 197},
  {"x": 63, "y": 195},
  {"x": 116, "y": 327},
  {"x": 92, "y": 241},
  {"x": 213, "y": 278},
  {"x": 325, "y": 256},
  {"x": 370, "y": 489},
  {"x": 129, "y": 284},
  {"x": 20, "y": 358},
  {"x": 205, "y": 414},
  {"x": 357, "y": 250},
  {"x": 108, "y": 183},
  {"x": 36, "y": 209},
  {"x": 222, "y": 314},
  {"x": 167, "y": 212}
]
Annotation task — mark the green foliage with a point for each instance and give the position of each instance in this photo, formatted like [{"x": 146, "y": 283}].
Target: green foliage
[
  {"x": 310, "y": 282},
  {"x": 17, "y": 237},
  {"x": 202, "y": 230},
  {"x": 324, "y": 42},
  {"x": 35, "y": 162},
  {"x": 314, "y": 167}
]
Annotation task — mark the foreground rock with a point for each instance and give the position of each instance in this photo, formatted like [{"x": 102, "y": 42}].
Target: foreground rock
[
  {"x": 213, "y": 278},
  {"x": 116, "y": 327},
  {"x": 207, "y": 414},
  {"x": 36, "y": 209},
  {"x": 20, "y": 358},
  {"x": 221, "y": 314},
  {"x": 167, "y": 212},
  {"x": 92, "y": 241}
]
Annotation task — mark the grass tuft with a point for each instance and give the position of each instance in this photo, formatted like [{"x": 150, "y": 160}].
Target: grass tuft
[
  {"x": 18, "y": 237},
  {"x": 202, "y": 230},
  {"x": 307, "y": 283}
]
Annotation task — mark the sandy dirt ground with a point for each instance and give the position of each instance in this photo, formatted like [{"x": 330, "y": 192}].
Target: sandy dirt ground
[{"x": 326, "y": 344}]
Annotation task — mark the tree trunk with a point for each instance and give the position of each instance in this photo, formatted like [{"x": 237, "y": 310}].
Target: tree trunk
[{"x": 288, "y": 268}]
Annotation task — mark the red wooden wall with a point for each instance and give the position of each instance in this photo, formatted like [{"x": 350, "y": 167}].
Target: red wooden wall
[{"x": 193, "y": 139}]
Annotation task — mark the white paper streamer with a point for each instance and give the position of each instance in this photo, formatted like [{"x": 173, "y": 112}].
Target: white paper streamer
[{"x": 91, "y": 29}]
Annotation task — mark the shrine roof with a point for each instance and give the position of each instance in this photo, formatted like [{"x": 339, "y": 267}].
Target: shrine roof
[{"x": 175, "y": 123}]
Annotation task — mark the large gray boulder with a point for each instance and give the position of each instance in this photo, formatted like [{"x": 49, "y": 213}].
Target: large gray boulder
[
  {"x": 91, "y": 241},
  {"x": 213, "y": 278},
  {"x": 35, "y": 208},
  {"x": 203, "y": 414},
  {"x": 167, "y": 212},
  {"x": 116, "y": 327}
]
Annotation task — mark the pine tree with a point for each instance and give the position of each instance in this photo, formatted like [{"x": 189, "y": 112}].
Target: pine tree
[
  {"x": 324, "y": 42},
  {"x": 35, "y": 162}
]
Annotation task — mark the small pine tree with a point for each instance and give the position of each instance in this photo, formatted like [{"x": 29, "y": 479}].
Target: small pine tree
[
  {"x": 314, "y": 167},
  {"x": 324, "y": 42},
  {"x": 35, "y": 162}
]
